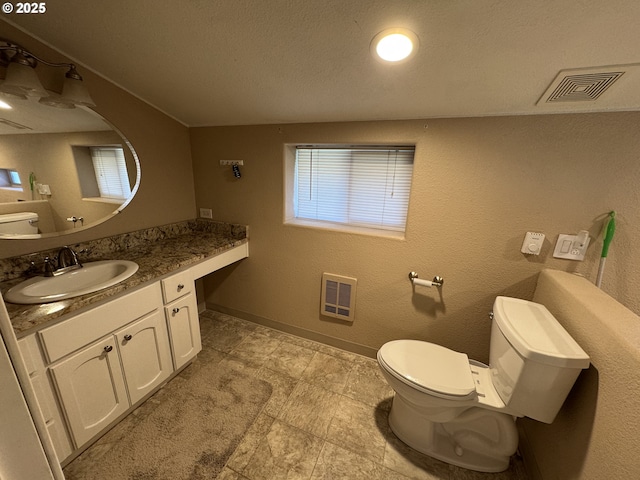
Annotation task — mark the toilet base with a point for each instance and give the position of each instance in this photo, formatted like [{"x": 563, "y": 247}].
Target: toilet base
[{"x": 460, "y": 442}]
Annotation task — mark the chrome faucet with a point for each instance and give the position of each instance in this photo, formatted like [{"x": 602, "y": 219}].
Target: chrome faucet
[
  {"x": 48, "y": 268},
  {"x": 67, "y": 258}
]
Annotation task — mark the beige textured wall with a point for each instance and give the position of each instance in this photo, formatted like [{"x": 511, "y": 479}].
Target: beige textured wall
[
  {"x": 595, "y": 435},
  {"x": 166, "y": 191},
  {"x": 479, "y": 185}
]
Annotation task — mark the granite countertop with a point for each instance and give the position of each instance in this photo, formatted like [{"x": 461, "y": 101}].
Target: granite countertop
[{"x": 156, "y": 254}]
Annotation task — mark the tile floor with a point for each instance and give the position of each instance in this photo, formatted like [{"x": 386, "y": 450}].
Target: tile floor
[{"x": 327, "y": 416}]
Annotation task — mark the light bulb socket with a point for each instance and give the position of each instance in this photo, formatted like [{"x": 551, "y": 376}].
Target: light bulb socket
[{"x": 73, "y": 73}]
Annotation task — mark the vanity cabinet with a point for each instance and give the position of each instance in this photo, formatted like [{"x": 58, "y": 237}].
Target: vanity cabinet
[
  {"x": 103, "y": 361},
  {"x": 181, "y": 312},
  {"x": 93, "y": 367},
  {"x": 100, "y": 382}
]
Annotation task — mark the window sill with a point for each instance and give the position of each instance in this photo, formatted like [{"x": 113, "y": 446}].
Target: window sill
[
  {"x": 339, "y": 227},
  {"x": 115, "y": 201}
]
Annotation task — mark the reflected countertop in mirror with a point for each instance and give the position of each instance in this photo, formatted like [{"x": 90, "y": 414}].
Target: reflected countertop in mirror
[{"x": 70, "y": 167}]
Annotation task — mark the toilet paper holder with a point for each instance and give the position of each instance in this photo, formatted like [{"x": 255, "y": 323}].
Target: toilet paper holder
[{"x": 436, "y": 282}]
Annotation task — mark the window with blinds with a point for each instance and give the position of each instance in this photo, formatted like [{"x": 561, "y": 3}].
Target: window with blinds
[
  {"x": 361, "y": 186},
  {"x": 111, "y": 172},
  {"x": 10, "y": 178}
]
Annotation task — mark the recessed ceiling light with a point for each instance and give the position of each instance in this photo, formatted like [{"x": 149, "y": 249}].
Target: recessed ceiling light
[
  {"x": 394, "y": 45},
  {"x": 5, "y": 105}
]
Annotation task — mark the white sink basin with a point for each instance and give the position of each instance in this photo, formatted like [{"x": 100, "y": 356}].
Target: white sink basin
[{"x": 93, "y": 276}]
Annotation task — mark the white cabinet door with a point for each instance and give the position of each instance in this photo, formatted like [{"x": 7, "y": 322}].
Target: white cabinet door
[
  {"x": 92, "y": 389},
  {"x": 184, "y": 329},
  {"x": 145, "y": 354}
]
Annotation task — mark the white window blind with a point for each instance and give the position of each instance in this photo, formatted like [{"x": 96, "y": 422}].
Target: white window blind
[
  {"x": 363, "y": 186},
  {"x": 111, "y": 172}
]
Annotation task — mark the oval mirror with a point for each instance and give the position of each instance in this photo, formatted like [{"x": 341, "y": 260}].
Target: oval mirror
[{"x": 60, "y": 169}]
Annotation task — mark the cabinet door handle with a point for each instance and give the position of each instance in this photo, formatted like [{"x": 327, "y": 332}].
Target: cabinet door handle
[
  {"x": 176, "y": 310},
  {"x": 108, "y": 348},
  {"x": 128, "y": 337},
  {"x": 180, "y": 286}
]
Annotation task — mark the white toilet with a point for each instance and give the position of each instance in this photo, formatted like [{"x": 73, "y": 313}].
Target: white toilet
[
  {"x": 21, "y": 223},
  {"x": 461, "y": 411}
]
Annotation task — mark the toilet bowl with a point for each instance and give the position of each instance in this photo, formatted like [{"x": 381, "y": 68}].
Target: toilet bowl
[{"x": 463, "y": 412}]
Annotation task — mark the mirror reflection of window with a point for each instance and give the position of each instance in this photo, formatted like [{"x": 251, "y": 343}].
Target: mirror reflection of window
[
  {"x": 102, "y": 171},
  {"x": 111, "y": 172},
  {"x": 10, "y": 178}
]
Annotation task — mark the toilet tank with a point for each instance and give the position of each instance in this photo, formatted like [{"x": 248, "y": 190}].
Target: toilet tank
[
  {"x": 534, "y": 361},
  {"x": 21, "y": 223}
]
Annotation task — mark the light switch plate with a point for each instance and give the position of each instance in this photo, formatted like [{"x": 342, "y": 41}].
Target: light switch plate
[
  {"x": 565, "y": 248},
  {"x": 532, "y": 244}
]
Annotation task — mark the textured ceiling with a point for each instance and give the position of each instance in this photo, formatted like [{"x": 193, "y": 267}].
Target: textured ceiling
[{"x": 238, "y": 62}]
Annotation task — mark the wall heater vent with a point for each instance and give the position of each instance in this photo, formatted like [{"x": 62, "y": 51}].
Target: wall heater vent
[{"x": 338, "y": 297}]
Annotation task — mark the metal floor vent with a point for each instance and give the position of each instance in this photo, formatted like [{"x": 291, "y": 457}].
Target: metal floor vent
[{"x": 583, "y": 85}]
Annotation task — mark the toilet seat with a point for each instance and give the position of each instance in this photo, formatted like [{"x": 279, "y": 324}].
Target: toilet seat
[{"x": 429, "y": 368}]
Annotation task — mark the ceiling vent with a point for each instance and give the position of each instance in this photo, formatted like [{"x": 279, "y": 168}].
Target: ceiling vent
[{"x": 583, "y": 85}]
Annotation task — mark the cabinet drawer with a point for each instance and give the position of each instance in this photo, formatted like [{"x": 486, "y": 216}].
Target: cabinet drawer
[
  {"x": 176, "y": 286},
  {"x": 76, "y": 332}
]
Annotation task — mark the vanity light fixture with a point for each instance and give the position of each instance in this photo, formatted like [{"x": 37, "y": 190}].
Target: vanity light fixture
[
  {"x": 21, "y": 80},
  {"x": 394, "y": 45}
]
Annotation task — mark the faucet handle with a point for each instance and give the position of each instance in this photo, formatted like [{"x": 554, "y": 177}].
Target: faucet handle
[{"x": 48, "y": 267}]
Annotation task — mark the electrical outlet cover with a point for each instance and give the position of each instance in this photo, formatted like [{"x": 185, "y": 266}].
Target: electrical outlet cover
[
  {"x": 206, "y": 213},
  {"x": 566, "y": 249}
]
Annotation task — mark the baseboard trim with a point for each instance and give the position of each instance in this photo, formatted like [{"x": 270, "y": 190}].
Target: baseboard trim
[{"x": 300, "y": 332}]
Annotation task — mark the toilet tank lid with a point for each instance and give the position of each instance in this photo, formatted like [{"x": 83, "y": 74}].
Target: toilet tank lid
[
  {"x": 17, "y": 217},
  {"x": 536, "y": 334}
]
